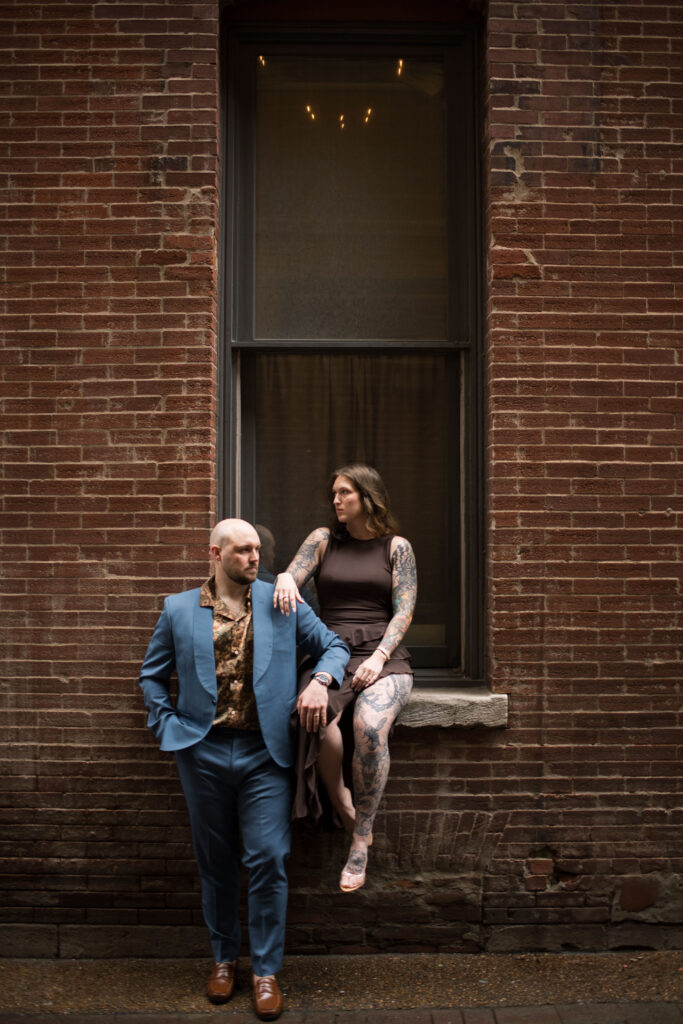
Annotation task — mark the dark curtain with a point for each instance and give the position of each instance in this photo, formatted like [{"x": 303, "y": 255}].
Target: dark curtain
[{"x": 312, "y": 413}]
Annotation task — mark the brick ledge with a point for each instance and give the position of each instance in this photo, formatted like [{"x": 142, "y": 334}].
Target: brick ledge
[{"x": 459, "y": 706}]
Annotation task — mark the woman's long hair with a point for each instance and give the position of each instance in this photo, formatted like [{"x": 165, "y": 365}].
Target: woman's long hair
[{"x": 369, "y": 484}]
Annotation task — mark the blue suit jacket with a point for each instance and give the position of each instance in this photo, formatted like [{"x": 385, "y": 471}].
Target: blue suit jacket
[{"x": 183, "y": 639}]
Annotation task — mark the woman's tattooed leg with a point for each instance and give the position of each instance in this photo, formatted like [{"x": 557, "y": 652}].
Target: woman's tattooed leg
[{"x": 377, "y": 708}]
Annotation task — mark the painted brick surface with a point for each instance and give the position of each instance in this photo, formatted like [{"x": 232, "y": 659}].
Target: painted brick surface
[{"x": 559, "y": 832}]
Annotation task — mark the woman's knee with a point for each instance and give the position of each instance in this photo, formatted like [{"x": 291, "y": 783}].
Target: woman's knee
[{"x": 371, "y": 736}]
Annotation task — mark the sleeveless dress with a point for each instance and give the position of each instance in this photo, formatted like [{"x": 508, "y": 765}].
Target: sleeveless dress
[{"x": 354, "y": 586}]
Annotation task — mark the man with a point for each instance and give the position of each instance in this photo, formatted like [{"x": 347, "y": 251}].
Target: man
[{"x": 235, "y": 656}]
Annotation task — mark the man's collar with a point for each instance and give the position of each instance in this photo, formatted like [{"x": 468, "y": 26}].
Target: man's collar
[
  {"x": 209, "y": 599},
  {"x": 207, "y": 594}
]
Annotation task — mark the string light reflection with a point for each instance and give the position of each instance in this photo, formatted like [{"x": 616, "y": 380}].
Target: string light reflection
[
  {"x": 342, "y": 122},
  {"x": 310, "y": 112}
]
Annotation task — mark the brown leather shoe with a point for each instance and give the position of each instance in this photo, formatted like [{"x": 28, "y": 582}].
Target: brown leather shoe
[
  {"x": 221, "y": 983},
  {"x": 268, "y": 1001}
]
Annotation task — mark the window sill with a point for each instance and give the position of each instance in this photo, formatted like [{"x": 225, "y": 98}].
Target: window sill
[{"x": 462, "y": 706}]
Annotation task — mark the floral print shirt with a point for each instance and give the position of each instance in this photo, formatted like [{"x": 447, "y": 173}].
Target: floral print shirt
[{"x": 233, "y": 645}]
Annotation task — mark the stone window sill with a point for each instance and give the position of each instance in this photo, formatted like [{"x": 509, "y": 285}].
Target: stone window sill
[{"x": 458, "y": 706}]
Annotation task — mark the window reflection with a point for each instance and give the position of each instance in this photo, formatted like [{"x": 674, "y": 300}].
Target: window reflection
[{"x": 350, "y": 236}]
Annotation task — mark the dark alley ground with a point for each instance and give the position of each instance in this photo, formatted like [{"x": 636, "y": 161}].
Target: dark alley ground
[{"x": 616, "y": 988}]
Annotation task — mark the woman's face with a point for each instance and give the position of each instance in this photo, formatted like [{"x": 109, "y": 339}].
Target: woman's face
[{"x": 347, "y": 502}]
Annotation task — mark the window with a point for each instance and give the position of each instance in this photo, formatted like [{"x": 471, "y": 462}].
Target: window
[
  {"x": 351, "y": 300},
  {"x": 350, "y": 226}
]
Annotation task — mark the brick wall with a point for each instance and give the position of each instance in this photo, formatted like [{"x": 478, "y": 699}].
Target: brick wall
[
  {"x": 109, "y": 175},
  {"x": 560, "y": 831},
  {"x": 584, "y": 450}
]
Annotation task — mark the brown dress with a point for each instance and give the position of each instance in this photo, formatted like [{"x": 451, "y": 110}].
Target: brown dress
[{"x": 354, "y": 586}]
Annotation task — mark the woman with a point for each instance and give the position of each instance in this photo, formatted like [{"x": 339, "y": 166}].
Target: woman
[{"x": 367, "y": 586}]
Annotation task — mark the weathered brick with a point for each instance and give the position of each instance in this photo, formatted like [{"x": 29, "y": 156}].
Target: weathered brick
[{"x": 533, "y": 837}]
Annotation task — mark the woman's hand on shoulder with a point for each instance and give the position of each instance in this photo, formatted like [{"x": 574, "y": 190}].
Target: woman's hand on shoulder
[{"x": 286, "y": 594}]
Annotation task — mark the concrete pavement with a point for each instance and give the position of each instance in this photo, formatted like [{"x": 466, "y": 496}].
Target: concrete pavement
[
  {"x": 601, "y": 1013},
  {"x": 614, "y": 988}
]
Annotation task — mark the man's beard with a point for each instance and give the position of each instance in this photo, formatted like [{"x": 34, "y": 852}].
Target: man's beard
[{"x": 240, "y": 578}]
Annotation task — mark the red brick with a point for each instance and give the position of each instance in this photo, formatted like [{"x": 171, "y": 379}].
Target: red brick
[{"x": 110, "y": 322}]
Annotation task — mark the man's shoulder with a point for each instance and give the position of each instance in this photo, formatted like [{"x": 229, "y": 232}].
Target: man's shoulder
[
  {"x": 184, "y": 598},
  {"x": 262, "y": 596},
  {"x": 261, "y": 588}
]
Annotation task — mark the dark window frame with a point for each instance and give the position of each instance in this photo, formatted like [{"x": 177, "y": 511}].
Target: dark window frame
[{"x": 459, "y": 45}]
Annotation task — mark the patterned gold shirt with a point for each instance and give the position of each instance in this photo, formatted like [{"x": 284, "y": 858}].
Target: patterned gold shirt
[{"x": 233, "y": 646}]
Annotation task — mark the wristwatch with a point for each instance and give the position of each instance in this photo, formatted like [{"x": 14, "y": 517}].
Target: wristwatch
[{"x": 324, "y": 678}]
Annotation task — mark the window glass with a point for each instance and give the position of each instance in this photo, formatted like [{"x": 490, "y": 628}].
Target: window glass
[
  {"x": 313, "y": 413},
  {"x": 350, "y": 238},
  {"x": 352, "y": 292}
]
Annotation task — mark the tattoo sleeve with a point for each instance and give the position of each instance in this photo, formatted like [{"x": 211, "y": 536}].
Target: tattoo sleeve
[
  {"x": 403, "y": 594},
  {"x": 307, "y": 559}
]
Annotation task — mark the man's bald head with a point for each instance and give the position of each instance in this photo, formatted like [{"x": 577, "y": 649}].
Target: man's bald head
[
  {"x": 236, "y": 531},
  {"x": 235, "y": 550}
]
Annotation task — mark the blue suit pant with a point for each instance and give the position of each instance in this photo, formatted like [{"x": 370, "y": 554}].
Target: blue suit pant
[{"x": 232, "y": 785}]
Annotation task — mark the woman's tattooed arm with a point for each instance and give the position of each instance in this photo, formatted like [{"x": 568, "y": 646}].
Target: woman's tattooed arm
[
  {"x": 309, "y": 555},
  {"x": 403, "y": 594}
]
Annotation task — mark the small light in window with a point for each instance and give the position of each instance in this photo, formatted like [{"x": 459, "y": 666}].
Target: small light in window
[
  {"x": 368, "y": 112},
  {"x": 310, "y": 112},
  {"x": 399, "y": 68},
  {"x": 262, "y": 61},
  {"x": 342, "y": 124}
]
